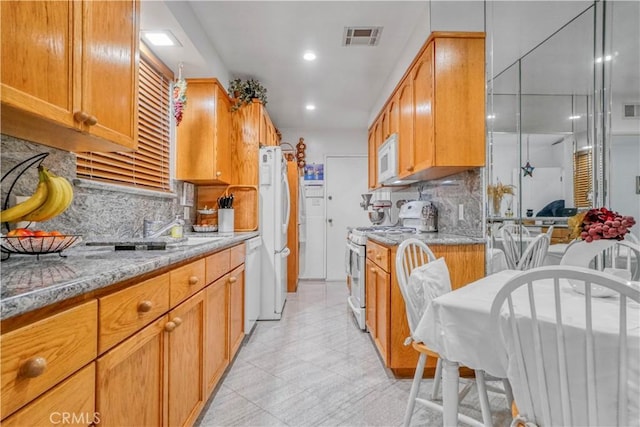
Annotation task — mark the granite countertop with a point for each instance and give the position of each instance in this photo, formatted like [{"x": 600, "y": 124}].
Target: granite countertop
[
  {"x": 429, "y": 238},
  {"x": 27, "y": 284}
]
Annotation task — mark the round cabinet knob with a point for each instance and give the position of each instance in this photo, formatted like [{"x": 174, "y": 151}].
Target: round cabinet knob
[
  {"x": 92, "y": 121},
  {"x": 373, "y": 270},
  {"x": 410, "y": 168},
  {"x": 145, "y": 306},
  {"x": 193, "y": 280},
  {"x": 233, "y": 279},
  {"x": 218, "y": 173},
  {"x": 177, "y": 321},
  {"x": 80, "y": 116},
  {"x": 378, "y": 257},
  {"x": 34, "y": 367},
  {"x": 170, "y": 326}
]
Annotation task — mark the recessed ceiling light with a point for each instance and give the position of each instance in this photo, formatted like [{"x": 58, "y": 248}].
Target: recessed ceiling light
[
  {"x": 574, "y": 117},
  {"x": 309, "y": 56},
  {"x": 491, "y": 116},
  {"x": 310, "y": 107},
  {"x": 161, "y": 38}
]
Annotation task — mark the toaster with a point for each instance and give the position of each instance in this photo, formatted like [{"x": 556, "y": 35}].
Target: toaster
[{"x": 419, "y": 214}]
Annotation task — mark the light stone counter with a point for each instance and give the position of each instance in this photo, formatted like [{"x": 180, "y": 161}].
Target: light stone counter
[
  {"x": 27, "y": 284},
  {"x": 393, "y": 239}
]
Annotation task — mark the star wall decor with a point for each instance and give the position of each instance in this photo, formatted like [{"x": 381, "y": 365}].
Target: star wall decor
[{"x": 527, "y": 170}]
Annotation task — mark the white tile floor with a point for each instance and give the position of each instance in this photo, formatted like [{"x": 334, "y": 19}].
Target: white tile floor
[{"x": 316, "y": 368}]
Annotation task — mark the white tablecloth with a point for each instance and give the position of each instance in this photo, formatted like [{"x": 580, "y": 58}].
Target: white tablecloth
[{"x": 457, "y": 325}]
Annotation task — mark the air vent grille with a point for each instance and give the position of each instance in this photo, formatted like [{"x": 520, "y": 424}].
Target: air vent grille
[
  {"x": 361, "y": 36},
  {"x": 631, "y": 111}
]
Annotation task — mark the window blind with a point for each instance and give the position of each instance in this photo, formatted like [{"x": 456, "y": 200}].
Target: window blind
[
  {"x": 148, "y": 167},
  {"x": 582, "y": 172}
]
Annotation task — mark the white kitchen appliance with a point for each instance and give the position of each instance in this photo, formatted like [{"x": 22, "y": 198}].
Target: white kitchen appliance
[
  {"x": 312, "y": 226},
  {"x": 253, "y": 269},
  {"x": 419, "y": 214},
  {"x": 274, "y": 220},
  {"x": 388, "y": 160}
]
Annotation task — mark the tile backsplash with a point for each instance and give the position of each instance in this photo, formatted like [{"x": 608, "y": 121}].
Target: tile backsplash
[
  {"x": 447, "y": 194},
  {"x": 97, "y": 210}
]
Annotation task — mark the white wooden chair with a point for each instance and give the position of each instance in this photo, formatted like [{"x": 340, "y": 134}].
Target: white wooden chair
[
  {"x": 413, "y": 253},
  {"x": 567, "y": 367},
  {"x": 535, "y": 253},
  {"x": 516, "y": 229},
  {"x": 511, "y": 249},
  {"x": 616, "y": 255}
]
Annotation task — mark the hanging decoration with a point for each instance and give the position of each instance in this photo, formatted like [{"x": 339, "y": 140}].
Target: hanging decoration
[
  {"x": 179, "y": 96},
  {"x": 300, "y": 153},
  {"x": 527, "y": 169}
]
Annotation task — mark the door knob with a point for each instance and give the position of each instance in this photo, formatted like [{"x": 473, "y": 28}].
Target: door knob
[
  {"x": 330, "y": 198},
  {"x": 330, "y": 221}
]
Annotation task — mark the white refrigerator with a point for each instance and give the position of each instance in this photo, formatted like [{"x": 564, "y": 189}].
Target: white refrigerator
[{"x": 274, "y": 219}]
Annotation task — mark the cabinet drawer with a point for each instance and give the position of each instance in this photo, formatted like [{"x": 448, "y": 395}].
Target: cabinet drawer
[
  {"x": 186, "y": 281},
  {"x": 129, "y": 310},
  {"x": 217, "y": 265},
  {"x": 71, "y": 402},
  {"x": 237, "y": 255},
  {"x": 378, "y": 254},
  {"x": 40, "y": 355}
]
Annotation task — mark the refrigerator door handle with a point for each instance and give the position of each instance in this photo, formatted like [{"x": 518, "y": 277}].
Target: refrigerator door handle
[
  {"x": 284, "y": 252},
  {"x": 286, "y": 194}
]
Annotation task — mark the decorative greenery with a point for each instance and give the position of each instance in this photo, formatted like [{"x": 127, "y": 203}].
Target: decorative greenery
[
  {"x": 244, "y": 91},
  {"x": 179, "y": 99},
  {"x": 496, "y": 192},
  {"x": 600, "y": 223}
]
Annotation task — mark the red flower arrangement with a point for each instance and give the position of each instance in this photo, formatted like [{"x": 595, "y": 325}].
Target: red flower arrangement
[{"x": 596, "y": 224}]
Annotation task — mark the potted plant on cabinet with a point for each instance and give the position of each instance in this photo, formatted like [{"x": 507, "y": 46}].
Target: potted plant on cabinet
[{"x": 244, "y": 91}]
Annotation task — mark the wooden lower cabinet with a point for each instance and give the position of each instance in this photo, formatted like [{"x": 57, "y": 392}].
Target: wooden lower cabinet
[
  {"x": 132, "y": 380},
  {"x": 385, "y": 310},
  {"x": 186, "y": 374},
  {"x": 216, "y": 326},
  {"x": 236, "y": 310},
  {"x": 71, "y": 402}
]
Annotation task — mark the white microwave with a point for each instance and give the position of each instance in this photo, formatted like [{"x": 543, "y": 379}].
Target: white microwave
[{"x": 388, "y": 160}]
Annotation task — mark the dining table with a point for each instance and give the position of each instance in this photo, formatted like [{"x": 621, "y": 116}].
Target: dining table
[{"x": 457, "y": 325}]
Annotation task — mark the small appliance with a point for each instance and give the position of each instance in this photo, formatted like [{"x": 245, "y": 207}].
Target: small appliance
[
  {"x": 419, "y": 214},
  {"x": 388, "y": 160},
  {"x": 381, "y": 214}
]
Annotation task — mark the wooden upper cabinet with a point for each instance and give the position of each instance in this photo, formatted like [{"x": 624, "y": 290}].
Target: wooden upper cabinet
[
  {"x": 384, "y": 126},
  {"x": 70, "y": 72},
  {"x": 406, "y": 161},
  {"x": 373, "y": 153},
  {"x": 203, "y": 150},
  {"x": 393, "y": 115},
  {"x": 423, "y": 87}
]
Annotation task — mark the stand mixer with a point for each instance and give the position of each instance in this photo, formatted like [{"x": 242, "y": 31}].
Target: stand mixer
[{"x": 381, "y": 214}]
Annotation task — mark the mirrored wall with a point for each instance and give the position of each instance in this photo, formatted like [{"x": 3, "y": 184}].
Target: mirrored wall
[{"x": 557, "y": 133}]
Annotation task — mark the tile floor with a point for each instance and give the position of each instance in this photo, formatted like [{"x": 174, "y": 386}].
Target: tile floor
[{"x": 316, "y": 368}]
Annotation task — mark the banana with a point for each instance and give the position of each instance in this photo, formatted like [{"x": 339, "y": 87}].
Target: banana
[
  {"x": 36, "y": 200},
  {"x": 58, "y": 200}
]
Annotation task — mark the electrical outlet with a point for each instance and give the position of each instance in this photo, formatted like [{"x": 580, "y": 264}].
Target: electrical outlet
[{"x": 461, "y": 212}]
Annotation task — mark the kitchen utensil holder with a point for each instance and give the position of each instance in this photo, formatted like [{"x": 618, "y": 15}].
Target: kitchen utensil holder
[{"x": 225, "y": 221}]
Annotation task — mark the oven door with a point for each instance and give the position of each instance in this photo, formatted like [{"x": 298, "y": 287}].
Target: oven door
[{"x": 355, "y": 271}]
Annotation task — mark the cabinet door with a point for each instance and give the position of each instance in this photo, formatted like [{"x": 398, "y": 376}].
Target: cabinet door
[
  {"x": 216, "y": 344},
  {"x": 423, "y": 96},
  {"x": 222, "y": 138},
  {"x": 110, "y": 53},
  {"x": 373, "y": 167},
  {"x": 131, "y": 380},
  {"x": 37, "y": 57},
  {"x": 370, "y": 297},
  {"x": 384, "y": 125},
  {"x": 236, "y": 309},
  {"x": 186, "y": 375},
  {"x": 405, "y": 144},
  {"x": 393, "y": 112},
  {"x": 383, "y": 280}
]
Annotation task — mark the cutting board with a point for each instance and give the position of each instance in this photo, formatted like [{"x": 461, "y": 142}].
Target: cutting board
[{"x": 245, "y": 206}]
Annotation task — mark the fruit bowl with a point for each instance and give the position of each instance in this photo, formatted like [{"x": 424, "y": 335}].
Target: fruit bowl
[{"x": 38, "y": 245}]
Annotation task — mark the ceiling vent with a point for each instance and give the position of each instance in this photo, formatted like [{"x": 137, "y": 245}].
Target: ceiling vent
[
  {"x": 631, "y": 111},
  {"x": 361, "y": 36}
]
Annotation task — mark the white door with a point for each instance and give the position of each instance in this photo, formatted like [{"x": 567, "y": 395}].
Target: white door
[{"x": 346, "y": 178}]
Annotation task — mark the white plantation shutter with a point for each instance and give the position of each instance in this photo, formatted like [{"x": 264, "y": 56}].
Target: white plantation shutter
[{"x": 148, "y": 167}]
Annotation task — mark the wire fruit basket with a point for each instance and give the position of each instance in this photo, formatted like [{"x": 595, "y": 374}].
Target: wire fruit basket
[{"x": 32, "y": 245}]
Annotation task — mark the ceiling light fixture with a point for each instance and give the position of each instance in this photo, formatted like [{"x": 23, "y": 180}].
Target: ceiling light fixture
[
  {"x": 309, "y": 56},
  {"x": 491, "y": 116},
  {"x": 161, "y": 38},
  {"x": 310, "y": 107},
  {"x": 574, "y": 117}
]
